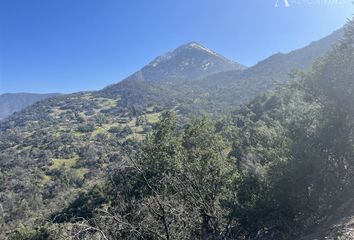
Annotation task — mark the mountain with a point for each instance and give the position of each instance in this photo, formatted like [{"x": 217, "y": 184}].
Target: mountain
[
  {"x": 188, "y": 62},
  {"x": 167, "y": 80},
  {"x": 65, "y": 144},
  {"x": 15, "y": 102},
  {"x": 230, "y": 88}
]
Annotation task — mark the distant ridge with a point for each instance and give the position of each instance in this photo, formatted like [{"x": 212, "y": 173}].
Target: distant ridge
[{"x": 15, "y": 102}]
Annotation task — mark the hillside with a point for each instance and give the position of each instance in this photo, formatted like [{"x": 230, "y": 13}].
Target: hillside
[
  {"x": 15, "y": 102},
  {"x": 60, "y": 147},
  {"x": 66, "y": 143}
]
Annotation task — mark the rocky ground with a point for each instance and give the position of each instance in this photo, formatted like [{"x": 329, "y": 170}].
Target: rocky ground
[{"x": 338, "y": 226}]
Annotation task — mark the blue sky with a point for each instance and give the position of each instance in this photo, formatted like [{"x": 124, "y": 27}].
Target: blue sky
[{"x": 74, "y": 45}]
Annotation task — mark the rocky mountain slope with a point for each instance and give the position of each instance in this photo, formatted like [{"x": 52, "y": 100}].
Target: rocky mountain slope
[{"x": 189, "y": 62}]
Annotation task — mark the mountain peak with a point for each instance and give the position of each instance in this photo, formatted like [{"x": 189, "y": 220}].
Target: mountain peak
[
  {"x": 192, "y": 44},
  {"x": 197, "y": 46},
  {"x": 190, "y": 61}
]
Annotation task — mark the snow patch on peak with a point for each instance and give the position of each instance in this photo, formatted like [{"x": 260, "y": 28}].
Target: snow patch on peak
[{"x": 200, "y": 47}]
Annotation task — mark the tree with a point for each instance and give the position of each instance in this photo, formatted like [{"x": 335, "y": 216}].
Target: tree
[
  {"x": 174, "y": 188},
  {"x": 100, "y": 119}
]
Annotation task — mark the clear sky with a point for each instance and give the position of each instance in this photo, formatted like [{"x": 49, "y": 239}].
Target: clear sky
[{"x": 74, "y": 45}]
